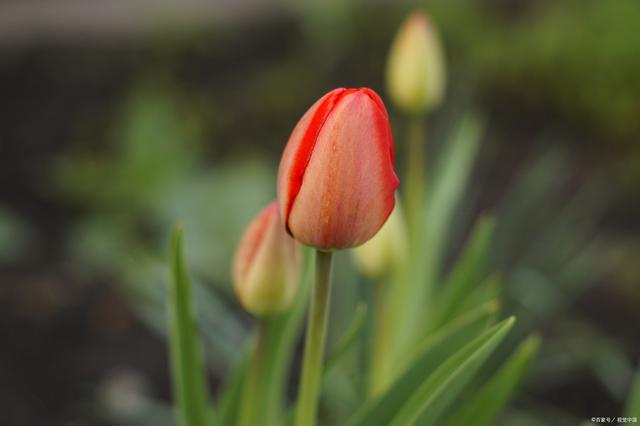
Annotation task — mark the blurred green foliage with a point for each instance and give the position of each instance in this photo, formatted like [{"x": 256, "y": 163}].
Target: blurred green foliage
[
  {"x": 130, "y": 211},
  {"x": 153, "y": 175},
  {"x": 577, "y": 57},
  {"x": 573, "y": 65},
  {"x": 16, "y": 237}
]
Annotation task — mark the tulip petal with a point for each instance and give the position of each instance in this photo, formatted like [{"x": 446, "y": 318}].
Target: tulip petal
[
  {"x": 348, "y": 184},
  {"x": 376, "y": 99},
  {"x": 299, "y": 148},
  {"x": 251, "y": 242}
]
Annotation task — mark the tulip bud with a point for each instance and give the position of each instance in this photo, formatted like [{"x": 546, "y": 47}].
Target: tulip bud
[
  {"x": 265, "y": 266},
  {"x": 415, "y": 69},
  {"x": 387, "y": 250},
  {"x": 336, "y": 181}
]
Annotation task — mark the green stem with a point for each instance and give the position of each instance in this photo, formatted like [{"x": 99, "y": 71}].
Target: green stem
[
  {"x": 252, "y": 397},
  {"x": 415, "y": 175},
  {"x": 400, "y": 321},
  {"x": 380, "y": 348},
  {"x": 314, "y": 342}
]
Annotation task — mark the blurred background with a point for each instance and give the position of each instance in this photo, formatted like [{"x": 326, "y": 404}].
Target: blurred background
[{"x": 119, "y": 118}]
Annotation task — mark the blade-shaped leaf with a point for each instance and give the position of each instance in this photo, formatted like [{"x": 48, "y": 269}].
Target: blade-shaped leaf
[
  {"x": 466, "y": 275},
  {"x": 450, "y": 378},
  {"x": 446, "y": 190},
  {"x": 184, "y": 340},
  {"x": 347, "y": 339},
  {"x": 432, "y": 352},
  {"x": 492, "y": 397},
  {"x": 488, "y": 290},
  {"x": 228, "y": 405}
]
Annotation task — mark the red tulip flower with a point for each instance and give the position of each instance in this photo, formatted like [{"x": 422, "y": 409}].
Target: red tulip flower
[{"x": 336, "y": 181}]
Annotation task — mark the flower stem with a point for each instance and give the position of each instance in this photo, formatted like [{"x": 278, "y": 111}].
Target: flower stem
[
  {"x": 415, "y": 175},
  {"x": 381, "y": 348},
  {"x": 314, "y": 342},
  {"x": 252, "y": 397},
  {"x": 398, "y": 319}
]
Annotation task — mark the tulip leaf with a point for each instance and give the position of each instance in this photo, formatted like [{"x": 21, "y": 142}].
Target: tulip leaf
[
  {"x": 445, "y": 192},
  {"x": 468, "y": 272},
  {"x": 347, "y": 339},
  {"x": 229, "y": 403},
  {"x": 441, "y": 388},
  {"x": 489, "y": 289},
  {"x": 433, "y": 351},
  {"x": 487, "y": 403},
  {"x": 187, "y": 365},
  {"x": 632, "y": 407}
]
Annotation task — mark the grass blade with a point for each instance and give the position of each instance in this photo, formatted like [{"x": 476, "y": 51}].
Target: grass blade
[
  {"x": 466, "y": 275},
  {"x": 450, "y": 378},
  {"x": 229, "y": 402},
  {"x": 448, "y": 185},
  {"x": 184, "y": 340},
  {"x": 348, "y": 338},
  {"x": 489, "y": 401},
  {"x": 432, "y": 352}
]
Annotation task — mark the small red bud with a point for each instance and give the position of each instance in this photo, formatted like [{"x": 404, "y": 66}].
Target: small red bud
[{"x": 265, "y": 266}]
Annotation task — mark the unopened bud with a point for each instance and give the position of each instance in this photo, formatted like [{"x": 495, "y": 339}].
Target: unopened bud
[
  {"x": 415, "y": 69},
  {"x": 265, "y": 266},
  {"x": 336, "y": 179},
  {"x": 387, "y": 250}
]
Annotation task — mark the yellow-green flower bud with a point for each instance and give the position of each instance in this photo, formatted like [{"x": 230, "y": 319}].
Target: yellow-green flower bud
[
  {"x": 387, "y": 250},
  {"x": 265, "y": 266},
  {"x": 415, "y": 68}
]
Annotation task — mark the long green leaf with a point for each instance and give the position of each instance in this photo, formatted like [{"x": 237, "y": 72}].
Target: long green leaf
[
  {"x": 412, "y": 302},
  {"x": 448, "y": 186},
  {"x": 184, "y": 340},
  {"x": 467, "y": 274},
  {"x": 449, "y": 379},
  {"x": 489, "y": 401},
  {"x": 347, "y": 339},
  {"x": 432, "y": 352},
  {"x": 489, "y": 289},
  {"x": 228, "y": 405}
]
